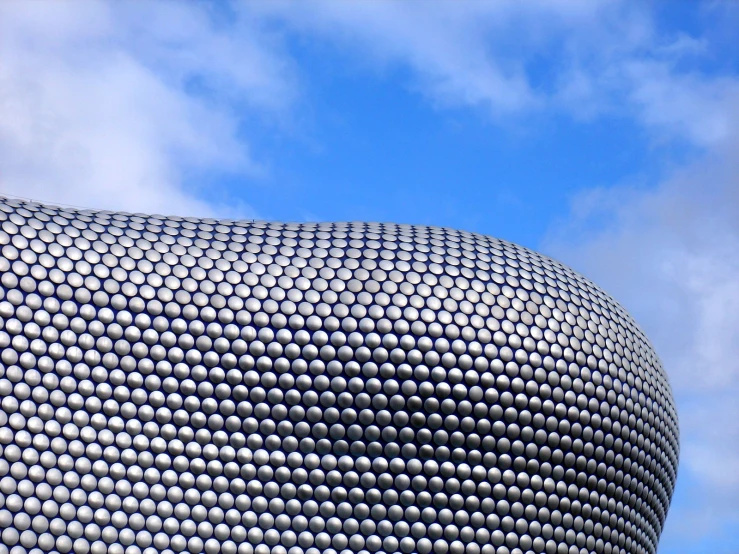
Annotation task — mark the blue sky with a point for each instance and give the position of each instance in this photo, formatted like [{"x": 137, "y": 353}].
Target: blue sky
[{"x": 602, "y": 133}]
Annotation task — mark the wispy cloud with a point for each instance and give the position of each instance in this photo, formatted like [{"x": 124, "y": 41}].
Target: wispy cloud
[
  {"x": 114, "y": 105},
  {"x": 505, "y": 58},
  {"x": 511, "y": 59}
]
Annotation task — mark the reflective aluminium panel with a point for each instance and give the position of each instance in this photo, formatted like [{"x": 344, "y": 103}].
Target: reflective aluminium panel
[{"x": 176, "y": 384}]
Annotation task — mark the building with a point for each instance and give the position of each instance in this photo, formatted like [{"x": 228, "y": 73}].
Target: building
[{"x": 176, "y": 384}]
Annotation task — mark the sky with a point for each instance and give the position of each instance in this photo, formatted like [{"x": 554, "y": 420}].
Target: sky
[{"x": 602, "y": 133}]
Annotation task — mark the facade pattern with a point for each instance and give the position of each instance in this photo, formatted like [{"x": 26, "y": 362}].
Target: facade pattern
[{"x": 176, "y": 384}]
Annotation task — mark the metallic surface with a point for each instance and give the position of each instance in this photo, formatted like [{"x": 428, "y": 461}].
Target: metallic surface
[{"x": 176, "y": 384}]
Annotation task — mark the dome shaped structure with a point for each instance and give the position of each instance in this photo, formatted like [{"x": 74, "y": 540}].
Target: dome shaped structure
[{"x": 175, "y": 384}]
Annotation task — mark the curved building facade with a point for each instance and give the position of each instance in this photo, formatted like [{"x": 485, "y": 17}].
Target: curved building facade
[{"x": 193, "y": 385}]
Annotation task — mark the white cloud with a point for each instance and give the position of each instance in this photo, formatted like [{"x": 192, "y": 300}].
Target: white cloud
[
  {"x": 506, "y": 58},
  {"x": 700, "y": 109},
  {"x": 97, "y": 106},
  {"x": 512, "y": 59},
  {"x": 453, "y": 50}
]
